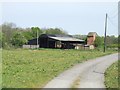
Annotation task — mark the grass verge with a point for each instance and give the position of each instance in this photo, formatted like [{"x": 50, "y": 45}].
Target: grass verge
[{"x": 111, "y": 76}]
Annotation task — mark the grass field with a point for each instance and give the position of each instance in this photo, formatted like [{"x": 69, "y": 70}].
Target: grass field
[
  {"x": 34, "y": 68},
  {"x": 111, "y": 76},
  {"x": 0, "y": 68}
]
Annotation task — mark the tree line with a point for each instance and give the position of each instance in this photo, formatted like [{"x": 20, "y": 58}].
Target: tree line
[{"x": 12, "y": 36}]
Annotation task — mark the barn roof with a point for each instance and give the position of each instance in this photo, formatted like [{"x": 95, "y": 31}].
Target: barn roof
[
  {"x": 66, "y": 39},
  {"x": 61, "y": 37},
  {"x": 54, "y": 35}
]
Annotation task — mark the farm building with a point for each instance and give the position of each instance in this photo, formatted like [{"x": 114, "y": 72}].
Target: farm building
[
  {"x": 91, "y": 38},
  {"x": 57, "y": 41}
]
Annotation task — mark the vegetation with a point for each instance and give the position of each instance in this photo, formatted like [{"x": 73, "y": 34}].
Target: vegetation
[
  {"x": 112, "y": 46},
  {"x": 0, "y": 39},
  {"x": 111, "y": 76},
  {"x": 12, "y": 36},
  {"x": 55, "y": 31},
  {"x": 0, "y": 69},
  {"x": 18, "y": 39},
  {"x": 99, "y": 41},
  {"x": 34, "y": 68}
]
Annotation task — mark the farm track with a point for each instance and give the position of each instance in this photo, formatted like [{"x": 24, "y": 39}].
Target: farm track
[{"x": 90, "y": 74}]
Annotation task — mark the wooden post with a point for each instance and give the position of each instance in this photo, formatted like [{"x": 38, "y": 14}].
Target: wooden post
[
  {"x": 48, "y": 42},
  {"x": 37, "y": 38}
]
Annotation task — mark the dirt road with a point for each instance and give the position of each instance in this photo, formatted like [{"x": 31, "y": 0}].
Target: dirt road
[{"x": 90, "y": 74}]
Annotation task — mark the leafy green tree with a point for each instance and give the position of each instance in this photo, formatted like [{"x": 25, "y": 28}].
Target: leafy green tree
[
  {"x": 111, "y": 40},
  {"x": 3, "y": 41},
  {"x": 7, "y": 32},
  {"x": 27, "y": 33},
  {"x": 99, "y": 41},
  {"x": 8, "y": 29},
  {"x": 0, "y": 39},
  {"x": 18, "y": 39},
  {"x": 36, "y": 31},
  {"x": 55, "y": 31}
]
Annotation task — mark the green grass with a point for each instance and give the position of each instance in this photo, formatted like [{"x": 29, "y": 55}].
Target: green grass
[
  {"x": 0, "y": 68},
  {"x": 34, "y": 68},
  {"x": 111, "y": 76}
]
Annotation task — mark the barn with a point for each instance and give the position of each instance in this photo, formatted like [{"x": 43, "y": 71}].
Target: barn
[{"x": 56, "y": 41}]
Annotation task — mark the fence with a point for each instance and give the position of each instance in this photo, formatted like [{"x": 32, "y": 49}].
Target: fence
[{"x": 31, "y": 46}]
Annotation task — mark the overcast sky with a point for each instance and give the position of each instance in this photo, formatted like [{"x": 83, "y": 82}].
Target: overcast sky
[{"x": 73, "y": 17}]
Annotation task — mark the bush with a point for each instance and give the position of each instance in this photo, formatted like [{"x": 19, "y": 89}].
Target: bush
[
  {"x": 112, "y": 46},
  {"x": 99, "y": 41}
]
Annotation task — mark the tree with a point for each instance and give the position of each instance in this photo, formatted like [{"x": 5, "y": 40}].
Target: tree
[
  {"x": 99, "y": 41},
  {"x": 35, "y": 31},
  {"x": 8, "y": 29},
  {"x": 3, "y": 41},
  {"x": 27, "y": 33},
  {"x": 111, "y": 40},
  {"x": 0, "y": 39},
  {"x": 7, "y": 32},
  {"x": 18, "y": 39},
  {"x": 55, "y": 31}
]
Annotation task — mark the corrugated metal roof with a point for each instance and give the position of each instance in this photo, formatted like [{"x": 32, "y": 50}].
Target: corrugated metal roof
[
  {"x": 54, "y": 35},
  {"x": 66, "y": 39}
]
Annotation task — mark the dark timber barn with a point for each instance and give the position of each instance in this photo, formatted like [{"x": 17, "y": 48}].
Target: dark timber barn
[{"x": 56, "y": 41}]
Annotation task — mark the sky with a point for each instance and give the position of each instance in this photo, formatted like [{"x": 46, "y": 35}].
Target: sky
[{"x": 73, "y": 17}]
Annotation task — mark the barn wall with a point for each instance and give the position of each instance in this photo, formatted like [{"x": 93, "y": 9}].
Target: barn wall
[
  {"x": 90, "y": 40},
  {"x": 43, "y": 42},
  {"x": 46, "y": 42}
]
